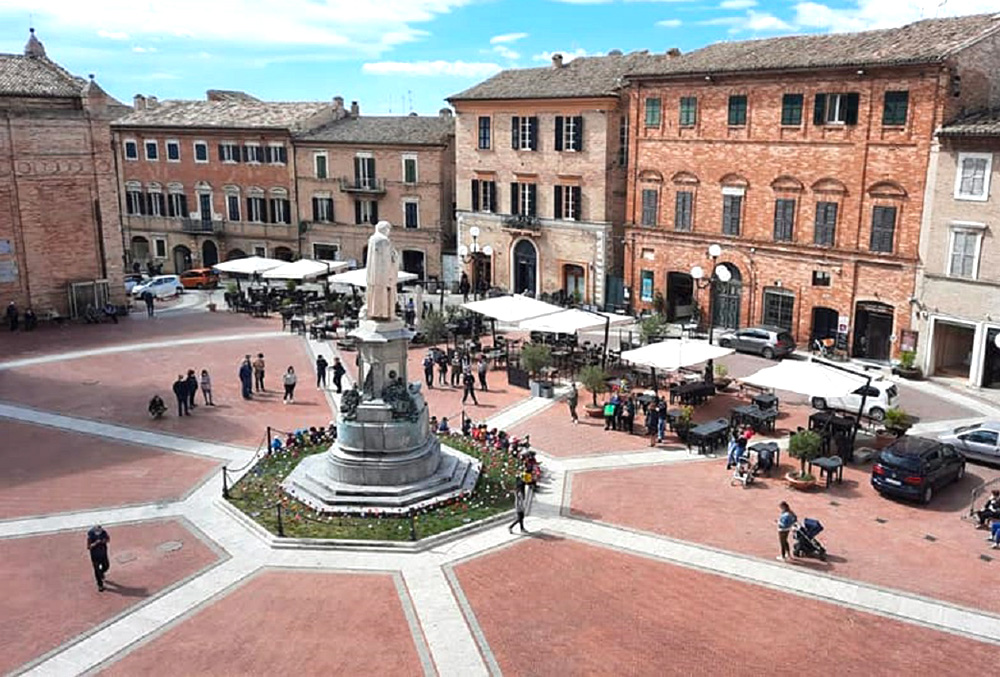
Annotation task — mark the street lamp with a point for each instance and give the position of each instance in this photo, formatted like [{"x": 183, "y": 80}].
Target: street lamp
[
  {"x": 472, "y": 253},
  {"x": 720, "y": 273}
]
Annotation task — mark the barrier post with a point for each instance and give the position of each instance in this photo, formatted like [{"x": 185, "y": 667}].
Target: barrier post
[
  {"x": 281, "y": 526},
  {"x": 413, "y": 526},
  {"x": 267, "y": 441},
  {"x": 225, "y": 482}
]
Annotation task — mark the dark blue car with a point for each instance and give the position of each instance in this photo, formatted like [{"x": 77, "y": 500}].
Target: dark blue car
[{"x": 916, "y": 467}]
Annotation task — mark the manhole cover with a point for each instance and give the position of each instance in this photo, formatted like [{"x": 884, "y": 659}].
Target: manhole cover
[
  {"x": 880, "y": 520},
  {"x": 986, "y": 558},
  {"x": 834, "y": 503},
  {"x": 126, "y": 557},
  {"x": 90, "y": 383},
  {"x": 170, "y": 546},
  {"x": 928, "y": 537}
]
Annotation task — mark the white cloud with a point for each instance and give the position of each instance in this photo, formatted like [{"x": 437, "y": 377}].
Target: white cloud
[
  {"x": 507, "y": 52},
  {"x": 762, "y": 21},
  {"x": 737, "y": 4},
  {"x": 870, "y": 14},
  {"x": 432, "y": 68},
  {"x": 507, "y": 37},
  {"x": 143, "y": 50},
  {"x": 568, "y": 55},
  {"x": 112, "y": 35},
  {"x": 669, "y": 23}
]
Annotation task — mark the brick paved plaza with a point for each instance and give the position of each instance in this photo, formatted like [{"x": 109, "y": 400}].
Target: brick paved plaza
[{"x": 639, "y": 560}]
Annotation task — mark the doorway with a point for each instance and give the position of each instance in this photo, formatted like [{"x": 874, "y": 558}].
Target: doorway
[
  {"x": 726, "y": 299},
  {"x": 680, "y": 296},
  {"x": 413, "y": 262},
  {"x": 209, "y": 254},
  {"x": 952, "y": 349},
  {"x": 205, "y": 207},
  {"x": 182, "y": 259},
  {"x": 824, "y": 323},
  {"x": 573, "y": 283},
  {"x": 283, "y": 254},
  {"x": 991, "y": 361},
  {"x": 234, "y": 254},
  {"x": 140, "y": 249},
  {"x": 873, "y": 331},
  {"x": 525, "y": 268}
]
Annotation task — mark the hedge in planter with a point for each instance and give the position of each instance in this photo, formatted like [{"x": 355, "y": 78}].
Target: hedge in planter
[
  {"x": 804, "y": 445},
  {"x": 595, "y": 380}
]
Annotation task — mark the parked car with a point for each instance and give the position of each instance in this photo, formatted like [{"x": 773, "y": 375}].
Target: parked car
[
  {"x": 132, "y": 279},
  {"x": 769, "y": 342},
  {"x": 916, "y": 467},
  {"x": 200, "y": 278},
  {"x": 978, "y": 441},
  {"x": 161, "y": 286},
  {"x": 882, "y": 395}
]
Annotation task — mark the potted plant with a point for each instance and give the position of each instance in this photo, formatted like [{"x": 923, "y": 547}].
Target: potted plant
[
  {"x": 652, "y": 326},
  {"x": 907, "y": 369},
  {"x": 804, "y": 445},
  {"x": 595, "y": 380},
  {"x": 535, "y": 358},
  {"x": 684, "y": 423},
  {"x": 896, "y": 422},
  {"x": 722, "y": 380},
  {"x": 659, "y": 304},
  {"x": 434, "y": 328}
]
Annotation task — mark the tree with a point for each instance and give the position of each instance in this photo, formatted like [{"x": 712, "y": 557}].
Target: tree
[
  {"x": 434, "y": 327},
  {"x": 595, "y": 380},
  {"x": 535, "y": 357},
  {"x": 804, "y": 445},
  {"x": 654, "y": 325}
]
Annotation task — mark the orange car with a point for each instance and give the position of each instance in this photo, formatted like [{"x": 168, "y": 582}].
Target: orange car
[{"x": 200, "y": 278}]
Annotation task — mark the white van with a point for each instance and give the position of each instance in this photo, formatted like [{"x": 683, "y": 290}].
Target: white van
[{"x": 161, "y": 286}]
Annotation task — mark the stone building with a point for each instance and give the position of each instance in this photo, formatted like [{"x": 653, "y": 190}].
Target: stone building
[
  {"x": 205, "y": 181},
  {"x": 357, "y": 170},
  {"x": 540, "y": 172},
  {"x": 958, "y": 292},
  {"x": 805, "y": 159},
  {"x": 60, "y": 231}
]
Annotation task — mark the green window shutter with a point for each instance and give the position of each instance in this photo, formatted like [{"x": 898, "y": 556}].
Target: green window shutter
[
  {"x": 851, "y": 116},
  {"x": 559, "y": 132},
  {"x": 819, "y": 109},
  {"x": 533, "y": 127},
  {"x": 557, "y": 210},
  {"x": 515, "y": 133},
  {"x": 577, "y": 202},
  {"x": 515, "y": 198},
  {"x": 578, "y": 139},
  {"x": 475, "y": 195}
]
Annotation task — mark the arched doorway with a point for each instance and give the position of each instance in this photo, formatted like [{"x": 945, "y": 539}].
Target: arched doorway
[
  {"x": 680, "y": 296},
  {"x": 139, "y": 248},
  {"x": 182, "y": 258},
  {"x": 574, "y": 284},
  {"x": 413, "y": 262},
  {"x": 525, "y": 268},
  {"x": 873, "y": 330},
  {"x": 283, "y": 254},
  {"x": 209, "y": 254},
  {"x": 726, "y": 299},
  {"x": 824, "y": 323},
  {"x": 234, "y": 254}
]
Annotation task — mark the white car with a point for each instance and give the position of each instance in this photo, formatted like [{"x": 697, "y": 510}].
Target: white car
[
  {"x": 882, "y": 396},
  {"x": 161, "y": 286}
]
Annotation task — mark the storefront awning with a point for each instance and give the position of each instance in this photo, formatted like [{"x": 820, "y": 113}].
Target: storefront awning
[
  {"x": 672, "y": 354},
  {"x": 512, "y": 308}
]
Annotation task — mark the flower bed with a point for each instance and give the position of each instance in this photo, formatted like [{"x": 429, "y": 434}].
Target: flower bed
[{"x": 259, "y": 492}]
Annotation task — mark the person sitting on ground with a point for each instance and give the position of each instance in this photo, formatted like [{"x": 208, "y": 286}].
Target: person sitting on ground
[
  {"x": 156, "y": 407},
  {"x": 443, "y": 428},
  {"x": 991, "y": 510},
  {"x": 433, "y": 424},
  {"x": 111, "y": 311},
  {"x": 466, "y": 426},
  {"x": 331, "y": 431},
  {"x": 30, "y": 319},
  {"x": 276, "y": 445}
]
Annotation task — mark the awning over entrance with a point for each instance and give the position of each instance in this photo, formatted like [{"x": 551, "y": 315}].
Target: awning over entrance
[
  {"x": 672, "y": 354},
  {"x": 359, "y": 277},
  {"x": 513, "y": 308},
  {"x": 248, "y": 266},
  {"x": 304, "y": 269},
  {"x": 572, "y": 320},
  {"x": 807, "y": 378}
]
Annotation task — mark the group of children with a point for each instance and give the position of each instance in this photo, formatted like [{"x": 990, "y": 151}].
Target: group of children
[{"x": 304, "y": 437}]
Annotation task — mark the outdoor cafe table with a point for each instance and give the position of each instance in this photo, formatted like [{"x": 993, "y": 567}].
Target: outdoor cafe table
[
  {"x": 830, "y": 425},
  {"x": 692, "y": 393},
  {"x": 752, "y": 415},
  {"x": 708, "y": 436},
  {"x": 765, "y": 400}
]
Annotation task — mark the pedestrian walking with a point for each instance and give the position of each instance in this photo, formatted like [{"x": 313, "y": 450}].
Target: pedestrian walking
[
  {"x": 786, "y": 520},
  {"x": 258, "y": 373},
  {"x": 181, "y": 393},
  {"x": 246, "y": 379},
  {"x": 469, "y": 381},
  {"x": 483, "y": 367},
  {"x": 192, "y": 386},
  {"x": 97, "y": 544},
  {"x": 428, "y": 370},
  {"x": 456, "y": 369},
  {"x": 572, "y": 401},
  {"x": 206, "y": 387},
  {"x": 652, "y": 423},
  {"x": 147, "y": 298},
  {"x": 442, "y": 361},
  {"x": 609, "y": 415},
  {"x": 12, "y": 316},
  {"x": 661, "y": 419},
  {"x": 338, "y": 374},
  {"x": 290, "y": 381},
  {"x": 464, "y": 287},
  {"x": 321, "y": 366},
  {"x": 520, "y": 505},
  {"x": 628, "y": 415},
  {"x": 410, "y": 314}
]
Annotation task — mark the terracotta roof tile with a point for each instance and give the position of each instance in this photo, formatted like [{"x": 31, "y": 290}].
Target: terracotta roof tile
[
  {"x": 35, "y": 76},
  {"x": 411, "y": 129},
  {"x": 231, "y": 113},
  {"x": 980, "y": 123}
]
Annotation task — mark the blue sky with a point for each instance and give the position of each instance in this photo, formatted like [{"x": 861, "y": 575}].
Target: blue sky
[{"x": 394, "y": 56}]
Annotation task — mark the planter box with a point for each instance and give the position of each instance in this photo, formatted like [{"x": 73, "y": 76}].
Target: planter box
[
  {"x": 594, "y": 412},
  {"x": 542, "y": 389},
  {"x": 801, "y": 485}
]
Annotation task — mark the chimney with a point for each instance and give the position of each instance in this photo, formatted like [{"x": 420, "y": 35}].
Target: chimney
[
  {"x": 139, "y": 102},
  {"x": 338, "y": 103},
  {"x": 152, "y": 102},
  {"x": 355, "y": 110},
  {"x": 557, "y": 60},
  {"x": 673, "y": 52},
  {"x": 444, "y": 113}
]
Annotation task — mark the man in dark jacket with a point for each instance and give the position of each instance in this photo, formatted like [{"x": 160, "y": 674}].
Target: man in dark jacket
[
  {"x": 246, "y": 379},
  {"x": 181, "y": 393},
  {"x": 338, "y": 374},
  {"x": 12, "y": 316},
  {"x": 97, "y": 543},
  {"x": 469, "y": 381},
  {"x": 429, "y": 370},
  {"x": 321, "y": 366},
  {"x": 192, "y": 388}
]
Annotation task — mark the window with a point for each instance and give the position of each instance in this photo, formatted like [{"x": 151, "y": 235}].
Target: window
[
  {"x": 569, "y": 132},
  {"x": 682, "y": 210},
  {"x": 485, "y": 139},
  {"x": 281, "y": 210},
  {"x": 523, "y": 199},
  {"x": 325, "y": 252},
  {"x": 826, "y": 224},
  {"x": 320, "y": 165},
  {"x": 276, "y": 154},
  {"x": 364, "y": 170},
  {"x": 650, "y": 206},
  {"x": 567, "y": 202},
  {"x": 778, "y": 306},
  {"x": 135, "y": 204},
  {"x": 409, "y": 168},
  {"x": 156, "y": 204},
  {"x": 365, "y": 212},
  {"x": 131, "y": 149},
  {"x": 653, "y": 112},
  {"x": 646, "y": 286},
  {"x": 524, "y": 133},
  {"x": 784, "y": 220},
  {"x": 200, "y": 151},
  {"x": 322, "y": 205},
  {"x": 253, "y": 153},
  {"x": 160, "y": 247},
  {"x": 229, "y": 151},
  {"x": 411, "y": 214},
  {"x": 791, "y": 110},
  {"x": 972, "y": 182},
  {"x": 484, "y": 196},
  {"x": 260, "y": 250},
  {"x": 895, "y": 108},
  {"x": 821, "y": 278},
  {"x": 233, "y": 206},
  {"x": 623, "y": 141},
  {"x": 731, "y": 206},
  {"x": 737, "y": 110},
  {"x": 152, "y": 151},
  {"x": 883, "y": 229},
  {"x": 964, "y": 253},
  {"x": 836, "y": 109},
  {"x": 256, "y": 208},
  {"x": 688, "y": 111},
  {"x": 177, "y": 203},
  {"x": 173, "y": 151}
]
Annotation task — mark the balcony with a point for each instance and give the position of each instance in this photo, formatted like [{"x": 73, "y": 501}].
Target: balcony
[
  {"x": 363, "y": 186},
  {"x": 522, "y": 223},
  {"x": 202, "y": 226}
]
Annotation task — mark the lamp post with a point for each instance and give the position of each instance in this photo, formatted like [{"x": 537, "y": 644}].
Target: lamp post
[
  {"x": 719, "y": 273},
  {"x": 472, "y": 253}
]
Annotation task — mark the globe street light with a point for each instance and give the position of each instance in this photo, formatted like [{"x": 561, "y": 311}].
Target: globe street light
[
  {"x": 720, "y": 273},
  {"x": 472, "y": 253}
]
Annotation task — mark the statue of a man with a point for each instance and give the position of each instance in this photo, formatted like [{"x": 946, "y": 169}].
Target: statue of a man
[{"x": 382, "y": 274}]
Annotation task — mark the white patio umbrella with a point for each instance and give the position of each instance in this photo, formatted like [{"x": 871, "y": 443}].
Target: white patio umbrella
[
  {"x": 359, "y": 277},
  {"x": 248, "y": 266},
  {"x": 512, "y": 308},
  {"x": 304, "y": 269},
  {"x": 572, "y": 321},
  {"x": 807, "y": 378},
  {"x": 672, "y": 354}
]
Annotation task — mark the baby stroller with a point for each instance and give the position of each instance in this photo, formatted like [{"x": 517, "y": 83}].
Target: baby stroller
[
  {"x": 747, "y": 466},
  {"x": 806, "y": 544}
]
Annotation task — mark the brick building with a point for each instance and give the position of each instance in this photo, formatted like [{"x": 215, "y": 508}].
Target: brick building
[
  {"x": 805, "y": 159},
  {"x": 60, "y": 231},
  {"x": 540, "y": 171},
  {"x": 357, "y": 170},
  {"x": 205, "y": 181},
  {"x": 958, "y": 292}
]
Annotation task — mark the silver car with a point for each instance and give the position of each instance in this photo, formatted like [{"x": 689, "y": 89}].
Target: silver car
[
  {"x": 977, "y": 441},
  {"x": 768, "y": 342}
]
